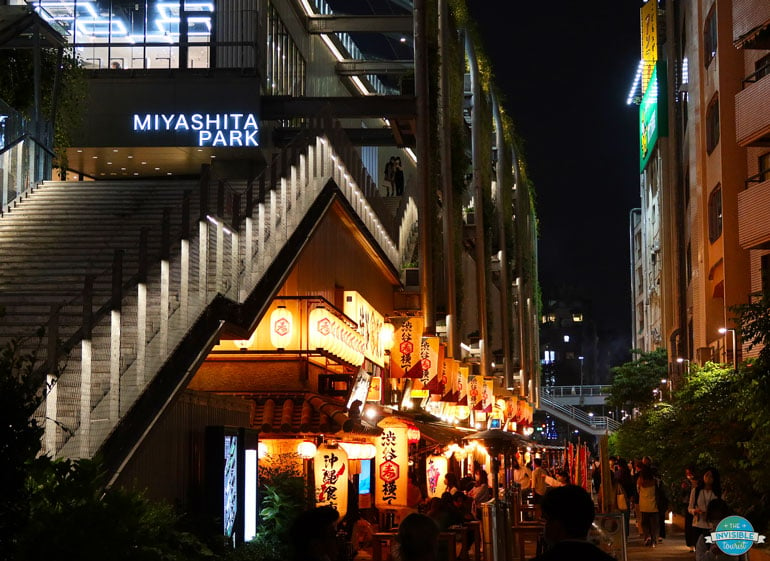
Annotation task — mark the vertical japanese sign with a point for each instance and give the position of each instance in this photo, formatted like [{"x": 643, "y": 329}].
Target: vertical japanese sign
[
  {"x": 429, "y": 366},
  {"x": 331, "y": 478},
  {"x": 406, "y": 349},
  {"x": 462, "y": 409},
  {"x": 435, "y": 470},
  {"x": 475, "y": 386},
  {"x": 487, "y": 394},
  {"x": 649, "y": 37},
  {"x": 450, "y": 367},
  {"x": 392, "y": 464},
  {"x": 369, "y": 322}
]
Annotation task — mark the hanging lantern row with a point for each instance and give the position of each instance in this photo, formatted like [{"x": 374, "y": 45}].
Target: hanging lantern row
[
  {"x": 328, "y": 332},
  {"x": 359, "y": 450}
]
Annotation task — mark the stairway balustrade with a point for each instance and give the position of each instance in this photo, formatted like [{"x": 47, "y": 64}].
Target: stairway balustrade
[{"x": 98, "y": 370}]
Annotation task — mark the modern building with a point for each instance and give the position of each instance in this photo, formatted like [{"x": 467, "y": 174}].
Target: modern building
[
  {"x": 699, "y": 241},
  {"x": 225, "y": 276},
  {"x": 569, "y": 344}
]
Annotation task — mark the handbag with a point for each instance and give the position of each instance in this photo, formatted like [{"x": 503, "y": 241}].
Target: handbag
[{"x": 621, "y": 499}]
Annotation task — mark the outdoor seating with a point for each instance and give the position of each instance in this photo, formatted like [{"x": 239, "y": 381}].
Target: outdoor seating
[{"x": 524, "y": 535}]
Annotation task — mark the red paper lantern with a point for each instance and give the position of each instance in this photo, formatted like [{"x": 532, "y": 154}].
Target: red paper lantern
[{"x": 413, "y": 434}]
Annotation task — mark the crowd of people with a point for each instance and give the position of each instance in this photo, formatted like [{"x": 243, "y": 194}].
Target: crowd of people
[
  {"x": 566, "y": 510},
  {"x": 638, "y": 491}
]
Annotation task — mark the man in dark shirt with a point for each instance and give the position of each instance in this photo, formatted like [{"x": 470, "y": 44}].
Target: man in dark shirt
[{"x": 569, "y": 512}]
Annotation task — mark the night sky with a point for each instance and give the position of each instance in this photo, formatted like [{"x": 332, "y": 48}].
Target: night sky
[{"x": 565, "y": 69}]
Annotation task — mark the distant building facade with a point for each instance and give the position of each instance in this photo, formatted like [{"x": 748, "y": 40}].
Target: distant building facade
[{"x": 700, "y": 240}]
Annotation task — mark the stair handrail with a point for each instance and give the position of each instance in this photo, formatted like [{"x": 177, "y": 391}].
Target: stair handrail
[{"x": 332, "y": 169}]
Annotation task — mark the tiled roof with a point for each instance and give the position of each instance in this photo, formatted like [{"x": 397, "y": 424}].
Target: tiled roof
[{"x": 303, "y": 413}]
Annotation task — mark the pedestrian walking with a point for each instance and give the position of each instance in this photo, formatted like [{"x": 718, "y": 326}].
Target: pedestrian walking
[
  {"x": 398, "y": 177},
  {"x": 388, "y": 176}
]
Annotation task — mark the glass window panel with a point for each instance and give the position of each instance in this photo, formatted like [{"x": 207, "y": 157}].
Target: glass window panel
[{"x": 163, "y": 57}]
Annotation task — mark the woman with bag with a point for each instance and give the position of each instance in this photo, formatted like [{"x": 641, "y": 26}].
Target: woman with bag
[
  {"x": 648, "y": 507},
  {"x": 708, "y": 489}
]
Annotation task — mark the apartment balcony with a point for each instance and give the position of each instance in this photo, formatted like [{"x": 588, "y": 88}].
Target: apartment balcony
[
  {"x": 753, "y": 210},
  {"x": 751, "y": 21},
  {"x": 752, "y": 111}
]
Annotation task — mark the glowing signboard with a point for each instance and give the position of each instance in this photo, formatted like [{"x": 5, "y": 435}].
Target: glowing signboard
[
  {"x": 208, "y": 129},
  {"x": 649, "y": 36},
  {"x": 653, "y": 117},
  {"x": 370, "y": 324}
]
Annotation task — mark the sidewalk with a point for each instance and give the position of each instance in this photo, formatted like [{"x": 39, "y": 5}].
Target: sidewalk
[{"x": 672, "y": 548}]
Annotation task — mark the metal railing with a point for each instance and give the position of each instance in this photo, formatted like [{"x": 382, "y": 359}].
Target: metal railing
[
  {"x": 760, "y": 177},
  {"x": 576, "y": 391},
  {"x": 594, "y": 423},
  {"x": 756, "y": 76}
]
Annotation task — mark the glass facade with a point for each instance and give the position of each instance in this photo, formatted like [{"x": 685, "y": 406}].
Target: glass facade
[{"x": 156, "y": 34}]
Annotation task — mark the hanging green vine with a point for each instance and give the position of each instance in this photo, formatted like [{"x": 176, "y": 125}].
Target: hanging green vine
[{"x": 17, "y": 90}]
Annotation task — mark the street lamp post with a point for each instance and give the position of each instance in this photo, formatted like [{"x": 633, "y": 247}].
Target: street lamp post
[
  {"x": 724, "y": 330},
  {"x": 666, "y": 382},
  {"x": 582, "y": 399},
  {"x": 686, "y": 362}
]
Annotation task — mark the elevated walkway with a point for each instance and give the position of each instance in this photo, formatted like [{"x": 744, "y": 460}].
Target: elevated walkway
[
  {"x": 592, "y": 424},
  {"x": 577, "y": 395},
  {"x": 166, "y": 266}
]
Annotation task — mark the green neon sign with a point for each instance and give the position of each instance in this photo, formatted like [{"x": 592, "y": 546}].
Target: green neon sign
[{"x": 653, "y": 114}]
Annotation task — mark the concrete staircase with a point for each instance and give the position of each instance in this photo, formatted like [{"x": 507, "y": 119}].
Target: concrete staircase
[{"x": 113, "y": 383}]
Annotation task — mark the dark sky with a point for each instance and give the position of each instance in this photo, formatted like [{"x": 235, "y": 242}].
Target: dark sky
[{"x": 565, "y": 68}]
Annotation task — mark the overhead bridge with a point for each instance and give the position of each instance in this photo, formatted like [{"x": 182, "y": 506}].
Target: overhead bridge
[
  {"x": 577, "y": 395},
  {"x": 554, "y": 402}
]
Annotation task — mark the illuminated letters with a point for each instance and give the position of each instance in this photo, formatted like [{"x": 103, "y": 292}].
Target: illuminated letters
[{"x": 213, "y": 129}]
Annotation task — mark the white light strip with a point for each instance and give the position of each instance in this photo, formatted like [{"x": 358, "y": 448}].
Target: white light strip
[
  {"x": 411, "y": 154},
  {"x": 685, "y": 71},
  {"x": 250, "y": 492},
  {"x": 332, "y": 47},
  {"x": 360, "y": 85},
  {"x": 306, "y": 6},
  {"x": 637, "y": 79},
  {"x": 216, "y": 222}
]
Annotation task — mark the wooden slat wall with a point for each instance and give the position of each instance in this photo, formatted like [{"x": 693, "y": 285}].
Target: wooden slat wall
[{"x": 171, "y": 459}]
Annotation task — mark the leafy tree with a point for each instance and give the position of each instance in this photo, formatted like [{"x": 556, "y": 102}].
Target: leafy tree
[
  {"x": 17, "y": 90},
  {"x": 282, "y": 492},
  {"x": 61, "y": 508},
  {"x": 754, "y": 324},
  {"x": 718, "y": 418},
  {"x": 19, "y": 440},
  {"x": 633, "y": 382}
]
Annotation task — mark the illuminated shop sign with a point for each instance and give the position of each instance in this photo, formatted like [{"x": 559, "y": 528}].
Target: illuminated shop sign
[
  {"x": 649, "y": 36},
  {"x": 370, "y": 324},
  {"x": 208, "y": 129},
  {"x": 653, "y": 117}
]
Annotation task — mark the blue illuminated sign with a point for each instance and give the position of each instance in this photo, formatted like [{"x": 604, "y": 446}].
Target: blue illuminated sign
[{"x": 210, "y": 129}]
